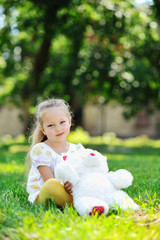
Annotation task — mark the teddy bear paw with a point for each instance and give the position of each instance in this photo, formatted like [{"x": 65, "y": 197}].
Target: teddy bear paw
[{"x": 99, "y": 209}]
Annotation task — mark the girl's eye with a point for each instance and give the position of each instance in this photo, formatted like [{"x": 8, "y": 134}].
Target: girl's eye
[
  {"x": 51, "y": 125},
  {"x": 62, "y": 122}
]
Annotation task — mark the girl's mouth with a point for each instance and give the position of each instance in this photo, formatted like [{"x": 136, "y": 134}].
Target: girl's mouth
[{"x": 60, "y": 134}]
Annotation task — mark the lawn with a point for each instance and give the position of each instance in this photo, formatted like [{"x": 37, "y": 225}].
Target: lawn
[{"x": 21, "y": 220}]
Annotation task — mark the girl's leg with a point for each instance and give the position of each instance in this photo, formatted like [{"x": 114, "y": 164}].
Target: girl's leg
[{"x": 53, "y": 190}]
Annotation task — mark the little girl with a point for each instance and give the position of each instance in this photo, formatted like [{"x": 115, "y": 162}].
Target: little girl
[{"x": 49, "y": 142}]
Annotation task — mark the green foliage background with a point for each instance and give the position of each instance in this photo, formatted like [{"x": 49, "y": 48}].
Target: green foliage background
[{"x": 80, "y": 50}]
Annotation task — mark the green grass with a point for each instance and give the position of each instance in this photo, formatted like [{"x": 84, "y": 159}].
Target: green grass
[{"x": 21, "y": 220}]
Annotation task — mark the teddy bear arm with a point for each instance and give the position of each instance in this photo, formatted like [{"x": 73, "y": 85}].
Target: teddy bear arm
[
  {"x": 65, "y": 172},
  {"x": 120, "y": 178}
]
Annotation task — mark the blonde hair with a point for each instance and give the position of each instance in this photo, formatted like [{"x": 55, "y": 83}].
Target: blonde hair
[{"x": 37, "y": 135}]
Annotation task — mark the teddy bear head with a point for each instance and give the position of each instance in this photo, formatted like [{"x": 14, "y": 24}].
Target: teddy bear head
[
  {"x": 86, "y": 160},
  {"x": 73, "y": 166}
]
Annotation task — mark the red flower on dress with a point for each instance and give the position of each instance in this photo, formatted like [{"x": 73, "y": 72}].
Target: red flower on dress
[{"x": 64, "y": 158}]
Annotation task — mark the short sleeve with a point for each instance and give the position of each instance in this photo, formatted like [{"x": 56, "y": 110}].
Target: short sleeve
[{"x": 40, "y": 156}]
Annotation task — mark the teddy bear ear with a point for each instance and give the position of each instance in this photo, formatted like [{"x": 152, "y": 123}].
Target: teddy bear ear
[{"x": 92, "y": 154}]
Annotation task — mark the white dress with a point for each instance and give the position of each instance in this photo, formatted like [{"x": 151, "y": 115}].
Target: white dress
[{"x": 43, "y": 155}]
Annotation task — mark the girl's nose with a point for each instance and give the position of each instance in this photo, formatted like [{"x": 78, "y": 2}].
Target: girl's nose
[{"x": 58, "y": 127}]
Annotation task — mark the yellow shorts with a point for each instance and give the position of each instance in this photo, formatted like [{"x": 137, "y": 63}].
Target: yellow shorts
[{"x": 54, "y": 191}]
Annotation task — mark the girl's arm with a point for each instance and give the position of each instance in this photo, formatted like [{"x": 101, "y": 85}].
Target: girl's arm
[{"x": 45, "y": 172}]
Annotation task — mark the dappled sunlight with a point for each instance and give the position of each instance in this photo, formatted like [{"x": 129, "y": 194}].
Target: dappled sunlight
[
  {"x": 116, "y": 157},
  {"x": 109, "y": 139},
  {"x": 136, "y": 157},
  {"x": 18, "y": 148},
  {"x": 12, "y": 168},
  {"x": 79, "y": 136},
  {"x": 86, "y": 52},
  {"x": 8, "y": 139},
  {"x": 141, "y": 141}
]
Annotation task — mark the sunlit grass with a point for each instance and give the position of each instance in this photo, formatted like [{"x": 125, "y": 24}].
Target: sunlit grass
[
  {"x": 13, "y": 168},
  {"x": 21, "y": 220}
]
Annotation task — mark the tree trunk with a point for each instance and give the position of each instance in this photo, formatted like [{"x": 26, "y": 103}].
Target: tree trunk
[
  {"x": 27, "y": 118},
  {"x": 41, "y": 60}
]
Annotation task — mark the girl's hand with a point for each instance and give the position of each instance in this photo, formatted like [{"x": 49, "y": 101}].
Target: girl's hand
[{"x": 68, "y": 187}]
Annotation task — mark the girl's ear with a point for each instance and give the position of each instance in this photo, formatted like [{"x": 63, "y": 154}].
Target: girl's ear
[
  {"x": 70, "y": 121},
  {"x": 42, "y": 129}
]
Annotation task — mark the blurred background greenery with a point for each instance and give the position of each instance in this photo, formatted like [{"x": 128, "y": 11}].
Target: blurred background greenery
[{"x": 80, "y": 50}]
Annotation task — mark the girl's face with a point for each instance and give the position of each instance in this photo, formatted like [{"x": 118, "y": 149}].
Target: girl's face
[{"x": 56, "y": 124}]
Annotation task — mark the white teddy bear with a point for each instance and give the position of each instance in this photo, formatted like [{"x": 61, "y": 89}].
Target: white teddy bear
[{"x": 94, "y": 188}]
